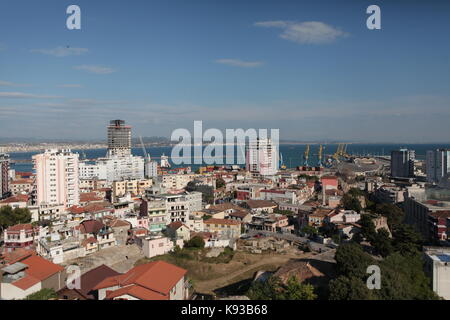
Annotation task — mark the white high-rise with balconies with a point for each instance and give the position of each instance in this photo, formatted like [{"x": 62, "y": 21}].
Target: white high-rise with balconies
[
  {"x": 57, "y": 180},
  {"x": 262, "y": 157}
]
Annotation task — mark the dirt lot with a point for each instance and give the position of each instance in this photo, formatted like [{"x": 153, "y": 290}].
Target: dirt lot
[
  {"x": 243, "y": 266},
  {"x": 205, "y": 274},
  {"x": 209, "y": 276},
  {"x": 115, "y": 258}
]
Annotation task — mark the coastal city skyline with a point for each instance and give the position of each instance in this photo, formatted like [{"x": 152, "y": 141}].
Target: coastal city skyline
[
  {"x": 315, "y": 74},
  {"x": 245, "y": 151}
]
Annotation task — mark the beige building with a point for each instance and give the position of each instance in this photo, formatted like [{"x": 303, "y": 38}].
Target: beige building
[
  {"x": 132, "y": 186},
  {"x": 93, "y": 184},
  {"x": 21, "y": 186},
  {"x": 175, "y": 181},
  {"x": 224, "y": 227},
  {"x": 179, "y": 230}
]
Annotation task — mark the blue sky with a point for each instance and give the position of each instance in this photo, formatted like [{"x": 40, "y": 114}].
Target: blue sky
[{"x": 310, "y": 68}]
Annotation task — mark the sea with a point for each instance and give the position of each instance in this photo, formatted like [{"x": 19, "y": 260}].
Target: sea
[{"x": 292, "y": 154}]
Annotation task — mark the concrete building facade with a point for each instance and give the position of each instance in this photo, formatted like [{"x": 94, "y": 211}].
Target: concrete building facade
[{"x": 57, "y": 180}]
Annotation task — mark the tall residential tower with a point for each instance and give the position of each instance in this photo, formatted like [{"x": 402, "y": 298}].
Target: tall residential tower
[
  {"x": 262, "y": 157},
  {"x": 402, "y": 163},
  {"x": 57, "y": 181},
  {"x": 438, "y": 165},
  {"x": 119, "y": 139},
  {"x": 4, "y": 179}
]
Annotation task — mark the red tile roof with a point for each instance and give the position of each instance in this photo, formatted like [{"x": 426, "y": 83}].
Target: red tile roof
[
  {"x": 91, "y": 226},
  {"x": 17, "y": 255},
  {"x": 19, "y": 227},
  {"x": 17, "y": 198},
  {"x": 137, "y": 292},
  {"x": 89, "y": 196},
  {"x": 441, "y": 214},
  {"x": 76, "y": 210},
  {"x": 26, "y": 282},
  {"x": 253, "y": 204},
  {"x": 119, "y": 223},
  {"x": 157, "y": 276},
  {"x": 93, "y": 277},
  {"x": 176, "y": 225},
  {"x": 88, "y": 241},
  {"x": 38, "y": 270}
]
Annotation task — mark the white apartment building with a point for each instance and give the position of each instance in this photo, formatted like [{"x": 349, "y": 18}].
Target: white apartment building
[
  {"x": 57, "y": 180},
  {"x": 437, "y": 266},
  {"x": 88, "y": 170},
  {"x": 114, "y": 168},
  {"x": 179, "y": 206},
  {"x": 118, "y": 168},
  {"x": 151, "y": 168},
  {"x": 262, "y": 157}
]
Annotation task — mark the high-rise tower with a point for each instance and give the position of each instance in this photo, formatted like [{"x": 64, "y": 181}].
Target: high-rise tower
[
  {"x": 4, "y": 179},
  {"x": 402, "y": 163},
  {"x": 119, "y": 139}
]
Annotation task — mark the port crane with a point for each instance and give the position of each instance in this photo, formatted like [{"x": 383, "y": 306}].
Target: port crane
[
  {"x": 282, "y": 165},
  {"x": 319, "y": 156},
  {"x": 306, "y": 156},
  {"x": 143, "y": 149}
]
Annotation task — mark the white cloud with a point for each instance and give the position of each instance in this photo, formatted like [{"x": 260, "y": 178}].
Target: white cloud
[
  {"x": 240, "y": 63},
  {"x": 69, "y": 85},
  {"x": 19, "y": 95},
  {"x": 95, "y": 69},
  {"x": 62, "y": 51},
  {"x": 12, "y": 84},
  {"x": 310, "y": 32}
]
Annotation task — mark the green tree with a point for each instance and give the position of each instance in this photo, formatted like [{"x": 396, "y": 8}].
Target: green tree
[
  {"x": 406, "y": 240},
  {"x": 349, "y": 288},
  {"x": 295, "y": 290},
  {"x": 382, "y": 243},
  {"x": 43, "y": 294},
  {"x": 207, "y": 191},
  {"x": 403, "y": 278},
  {"x": 351, "y": 260},
  {"x": 357, "y": 238},
  {"x": 350, "y": 202},
  {"x": 367, "y": 227},
  {"x": 394, "y": 214},
  {"x": 274, "y": 289},
  {"x": 310, "y": 230},
  {"x": 195, "y": 242},
  {"x": 265, "y": 290},
  {"x": 10, "y": 216},
  {"x": 284, "y": 212}
]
